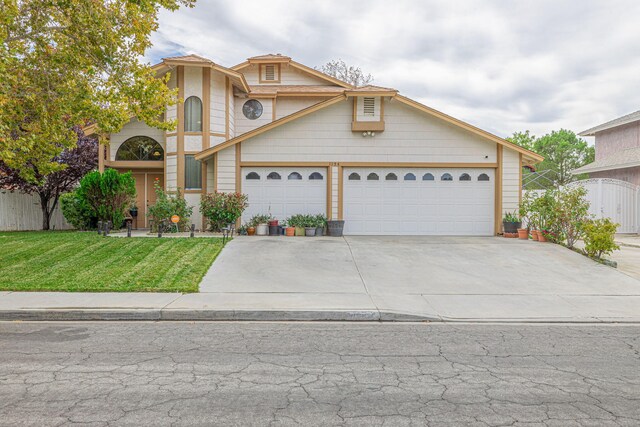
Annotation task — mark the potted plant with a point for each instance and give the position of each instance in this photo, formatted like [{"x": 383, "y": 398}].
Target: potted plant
[
  {"x": 133, "y": 210},
  {"x": 309, "y": 222},
  {"x": 259, "y": 222},
  {"x": 335, "y": 227},
  {"x": 510, "y": 224},
  {"x": 251, "y": 230},
  {"x": 298, "y": 222},
  {"x": 290, "y": 229},
  {"x": 525, "y": 217},
  {"x": 321, "y": 222}
]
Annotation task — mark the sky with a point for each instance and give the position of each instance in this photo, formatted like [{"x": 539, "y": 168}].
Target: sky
[{"x": 503, "y": 66}]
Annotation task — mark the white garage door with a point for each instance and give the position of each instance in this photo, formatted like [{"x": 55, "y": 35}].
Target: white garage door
[
  {"x": 398, "y": 201},
  {"x": 283, "y": 192}
]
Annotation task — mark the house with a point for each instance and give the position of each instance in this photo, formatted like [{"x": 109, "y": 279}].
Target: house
[
  {"x": 298, "y": 141},
  {"x": 617, "y": 150}
]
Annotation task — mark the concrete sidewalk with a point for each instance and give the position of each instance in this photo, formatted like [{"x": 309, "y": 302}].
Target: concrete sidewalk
[{"x": 319, "y": 307}]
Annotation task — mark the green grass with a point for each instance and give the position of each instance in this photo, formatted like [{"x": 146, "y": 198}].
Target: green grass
[{"x": 86, "y": 262}]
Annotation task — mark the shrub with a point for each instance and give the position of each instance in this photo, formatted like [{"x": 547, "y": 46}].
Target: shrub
[
  {"x": 168, "y": 205},
  {"x": 321, "y": 220},
  {"x": 77, "y": 212},
  {"x": 108, "y": 194},
  {"x": 599, "y": 237},
  {"x": 258, "y": 219},
  {"x": 221, "y": 209},
  {"x": 571, "y": 213}
]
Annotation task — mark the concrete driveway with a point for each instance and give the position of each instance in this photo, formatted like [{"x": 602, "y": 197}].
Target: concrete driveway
[{"x": 438, "y": 277}]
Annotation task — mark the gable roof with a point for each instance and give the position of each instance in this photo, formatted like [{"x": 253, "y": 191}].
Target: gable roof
[
  {"x": 622, "y": 159},
  {"x": 195, "y": 60},
  {"x": 283, "y": 90},
  {"x": 629, "y": 118},
  {"x": 278, "y": 58},
  {"x": 529, "y": 157}
]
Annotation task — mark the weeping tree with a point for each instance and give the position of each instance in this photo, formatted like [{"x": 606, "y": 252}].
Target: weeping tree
[{"x": 65, "y": 63}]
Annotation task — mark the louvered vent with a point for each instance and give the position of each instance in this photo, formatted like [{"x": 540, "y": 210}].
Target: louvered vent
[
  {"x": 369, "y": 106},
  {"x": 270, "y": 72}
]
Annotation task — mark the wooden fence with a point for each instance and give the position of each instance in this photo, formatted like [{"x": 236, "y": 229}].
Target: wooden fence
[{"x": 20, "y": 212}]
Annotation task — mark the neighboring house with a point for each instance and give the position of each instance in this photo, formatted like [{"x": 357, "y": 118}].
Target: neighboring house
[
  {"x": 299, "y": 141},
  {"x": 617, "y": 150}
]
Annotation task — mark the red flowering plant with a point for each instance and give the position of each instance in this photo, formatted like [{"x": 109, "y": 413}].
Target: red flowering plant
[{"x": 222, "y": 209}]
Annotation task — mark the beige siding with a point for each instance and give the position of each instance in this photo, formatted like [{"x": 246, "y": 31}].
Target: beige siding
[
  {"x": 192, "y": 82},
  {"x": 133, "y": 128},
  {"x": 510, "y": 180},
  {"x": 410, "y": 136},
  {"x": 286, "y": 106},
  {"x": 218, "y": 115},
  {"x": 21, "y": 212},
  {"x": 193, "y": 200},
  {"x": 227, "y": 170},
  {"x": 210, "y": 176},
  {"x": 289, "y": 76},
  {"x": 172, "y": 167},
  {"x": 243, "y": 124},
  {"x": 232, "y": 114}
]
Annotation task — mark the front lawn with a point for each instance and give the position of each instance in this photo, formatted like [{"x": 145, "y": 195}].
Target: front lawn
[{"x": 86, "y": 262}]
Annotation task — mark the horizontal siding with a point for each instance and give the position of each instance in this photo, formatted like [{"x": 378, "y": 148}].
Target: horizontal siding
[
  {"x": 193, "y": 143},
  {"x": 210, "y": 176},
  {"x": 287, "y": 106},
  {"x": 22, "y": 212},
  {"x": 242, "y": 124},
  {"x": 289, "y": 76},
  {"x": 410, "y": 136},
  {"x": 193, "y": 200},
  {"x": 218, "y": 103},
  {"x": 192, "y": 82},
  {"x": 172, "y": 168},
  {"x": 510, "y": 180},
  {"x": 227, "y": 170}
]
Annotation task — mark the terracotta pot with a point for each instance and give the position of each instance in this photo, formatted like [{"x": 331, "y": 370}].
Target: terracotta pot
[
  {"x": 290, "y": 231},
  {"x": 542, "y": 237},
  {"x": 251, "y": 231},
  {"x": 523, "y": 234},
  {"x": 534, "y": 235},
  {"x": 510, "y": 235}
]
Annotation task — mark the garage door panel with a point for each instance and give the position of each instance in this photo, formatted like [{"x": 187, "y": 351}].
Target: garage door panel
[
  {"x": 419, "y": 206},
  {"x": 284, "y": 197}
]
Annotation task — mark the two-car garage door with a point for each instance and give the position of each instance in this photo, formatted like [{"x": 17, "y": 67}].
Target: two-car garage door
[
  {"x": 378, "y": 201},
  {"x": 419, "y": 201}
]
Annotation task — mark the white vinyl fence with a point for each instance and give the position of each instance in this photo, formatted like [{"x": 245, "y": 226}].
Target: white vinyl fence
[
  {"x": 20, "y": 212},
  {"x": 615, "y": 199}
]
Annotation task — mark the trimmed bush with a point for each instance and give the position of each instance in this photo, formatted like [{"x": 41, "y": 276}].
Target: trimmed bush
[
  {"x": 599, "y": 237},
  {"x": 77, "y": 212},
  {"x": 222, "y": 209},
  {"x": 108, "y": 195},
  {"x": 168, "y": 205}
]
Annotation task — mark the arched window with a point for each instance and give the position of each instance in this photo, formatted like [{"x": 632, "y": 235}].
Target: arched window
[
  {"x": 465, "y": 177},
  {"x": 483, "y": 177},
  {"x": 446, "y": 177},
  {"x": 373, "y": 177},
  {"x": 274, "y": 175},
  {"x": 294, "y": 175},
  {"x": 391, "y": 177},
  {"x": 140, "y": 148},
  {"x": 354, "y": 176},
  {"x": 427, "y": 177},
  {"x": 316, "y": 175},
  {"x": 409, "y": 177},
  {"x": 253, "y": 175},
  {"x": 193, "y": 114}
]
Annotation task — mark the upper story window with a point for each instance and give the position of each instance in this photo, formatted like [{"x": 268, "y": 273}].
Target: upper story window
[
  {"x": 193, "y": 114},
  {"x": 369, "y": 108},
  {"x": 140, "y": 148}
]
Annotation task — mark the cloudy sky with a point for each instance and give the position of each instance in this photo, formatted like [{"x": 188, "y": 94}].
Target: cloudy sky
[{"x": 501, "y": 65}]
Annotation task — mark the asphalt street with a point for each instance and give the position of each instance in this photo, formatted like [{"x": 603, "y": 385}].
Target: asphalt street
[{"x": 189, "y": 373}]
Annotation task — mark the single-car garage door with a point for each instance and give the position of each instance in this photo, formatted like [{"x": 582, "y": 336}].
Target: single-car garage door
[
  {"x": 283, "y": 192},
  {"x": 397, "y": 201}
]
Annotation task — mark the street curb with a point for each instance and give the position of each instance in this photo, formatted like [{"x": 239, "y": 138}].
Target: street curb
[{"x": 210, "y": 315}]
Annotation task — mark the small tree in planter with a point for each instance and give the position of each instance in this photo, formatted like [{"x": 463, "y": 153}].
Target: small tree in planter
[
  {"x": 168, "y": 205},
  {"x": 571, "y": 213},
  {"x": 222, "y": 209}
]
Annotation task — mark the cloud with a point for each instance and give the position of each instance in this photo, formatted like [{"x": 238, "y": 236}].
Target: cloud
[{"x": 503, "y": 66}]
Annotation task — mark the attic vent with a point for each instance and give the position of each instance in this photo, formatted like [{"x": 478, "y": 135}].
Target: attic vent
[
  {"x": 369, "y": 106},
  {"x": 270, "y": 72}
]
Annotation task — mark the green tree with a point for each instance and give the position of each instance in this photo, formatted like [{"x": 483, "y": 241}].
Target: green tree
[
  {"x": 523, "y": 139},
  {"x": 108, "y": 194},
  {"x": 64, "y": 63},
  {"x": 563, "y": 152}
]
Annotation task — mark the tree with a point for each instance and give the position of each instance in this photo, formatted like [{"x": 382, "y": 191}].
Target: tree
[
  {"x": 66, "y": 62},
  {"x": 523, "y": 139},
  {"x": 563, "y": 152},
  {"x": 347, "y": 73},
  {"x": 108, "y": 194},
  {"x": 76, "y": 162}
]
